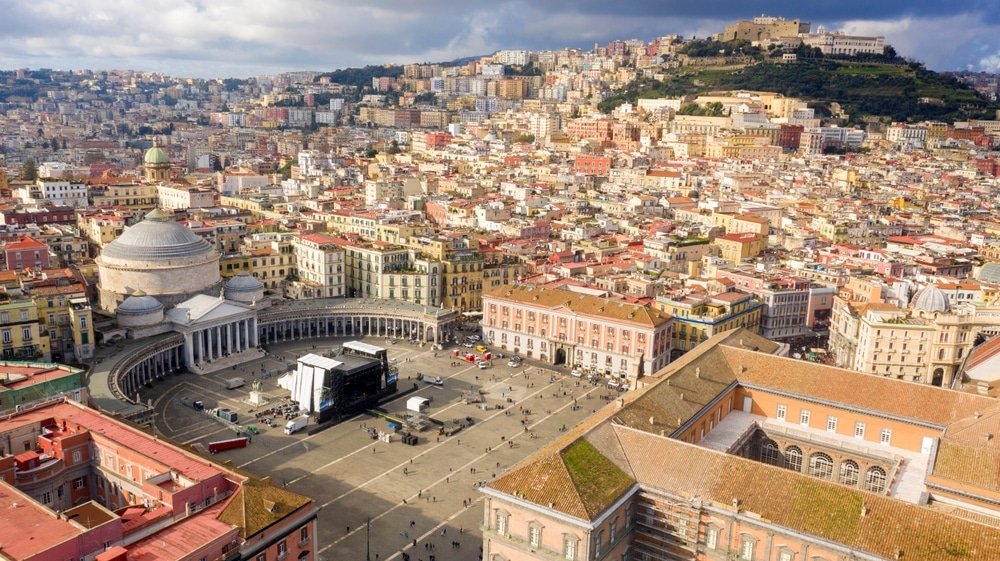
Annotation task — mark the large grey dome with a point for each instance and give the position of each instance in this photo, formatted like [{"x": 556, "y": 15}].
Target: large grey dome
[
  {"x": 990, "y": 273},
  {"x": 139, "y": 303},
  {"x": 157, "y": 238},
  {"x": 244, "y": 288},
  {"x": 139, "y": 310},
  {"x": 243, "y": 283},
  {"x": 930, "y": 299}
]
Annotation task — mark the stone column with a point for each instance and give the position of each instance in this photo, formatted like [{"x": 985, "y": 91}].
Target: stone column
[
  {"x": 188, "y": 349},
  {"x": 254, "y": 335},
  {"x": 199, "y": 346}
]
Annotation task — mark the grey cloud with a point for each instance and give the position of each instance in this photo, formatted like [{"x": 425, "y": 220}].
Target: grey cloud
[{"x": 232, "y": 37}]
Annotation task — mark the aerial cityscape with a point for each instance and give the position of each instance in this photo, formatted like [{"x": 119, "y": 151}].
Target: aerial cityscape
[{"x": 496, "y": 283}]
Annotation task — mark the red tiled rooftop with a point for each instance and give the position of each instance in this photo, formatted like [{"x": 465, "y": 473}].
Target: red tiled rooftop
[
  {"x": 157, "y": 451},
  {"x": 37, "y": 528}
]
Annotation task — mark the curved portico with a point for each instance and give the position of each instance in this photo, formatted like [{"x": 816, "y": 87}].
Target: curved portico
[
  {"x": 117, "y": 377},
  {"x": 353, "y": 317}
]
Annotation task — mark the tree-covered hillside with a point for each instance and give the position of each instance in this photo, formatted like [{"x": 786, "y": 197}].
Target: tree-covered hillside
[{"x": 900, "y": 92}]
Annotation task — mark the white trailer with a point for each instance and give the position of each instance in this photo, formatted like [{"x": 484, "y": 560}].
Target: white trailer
[{"x": 296, "y": 424}]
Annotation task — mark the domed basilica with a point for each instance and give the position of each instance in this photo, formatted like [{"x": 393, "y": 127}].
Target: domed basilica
[{"x": 159, "y": 257}]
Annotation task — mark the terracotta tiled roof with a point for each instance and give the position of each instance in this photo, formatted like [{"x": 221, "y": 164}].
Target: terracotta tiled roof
[
  {"x": 581, "y": 303},
  {"x": 258, "y": 504},
  {"x": 633, "y": 432},
  {"x": 805, "y": 504},
  {"x": 919, "y": 402}
]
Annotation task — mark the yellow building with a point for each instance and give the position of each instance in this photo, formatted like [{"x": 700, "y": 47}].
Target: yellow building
[
  {"x": 698, "y": 317},
  {"x": 736, "y": 248},
  {"x": 21, "y": 334},
  {"x": 102, "y": 228},
  {"x": 134, "y": 196},
  {"x": 271, "y": 259},
  {"x": 738, "y": 223},
  {"x": 234, "y": 264},
  {"x": 64, "y": 313},
  {"x": 463, "y": 281}
]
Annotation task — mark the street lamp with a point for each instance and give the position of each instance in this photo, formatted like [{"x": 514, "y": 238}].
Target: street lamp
[{"x": 368, "y": 541}]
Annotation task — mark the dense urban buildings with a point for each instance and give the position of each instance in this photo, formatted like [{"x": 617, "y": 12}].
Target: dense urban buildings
[{"x": 793, "y": 283}]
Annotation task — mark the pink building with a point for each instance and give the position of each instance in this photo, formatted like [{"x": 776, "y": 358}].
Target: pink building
[
  {"x": 75, "y": 483},
  {"x": 27, "y": 253},
  {"x": 597, "y": 335}
]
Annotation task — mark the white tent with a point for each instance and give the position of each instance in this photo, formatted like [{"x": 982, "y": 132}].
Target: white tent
[{"x": 307, "y": 380}]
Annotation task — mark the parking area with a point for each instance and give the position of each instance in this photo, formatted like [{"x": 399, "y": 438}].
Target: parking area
[{"x": 421, "y": 499}]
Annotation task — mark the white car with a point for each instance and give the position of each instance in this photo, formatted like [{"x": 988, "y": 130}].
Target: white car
[
  {"x": 483, "y": 365},
  {"x": 576, "y": 373},
  {"x": 513, "y": 363}
]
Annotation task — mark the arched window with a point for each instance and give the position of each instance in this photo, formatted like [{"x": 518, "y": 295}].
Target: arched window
[
  {"x": 875, "y": 479},
  {"x": 820, "y": 465},
  {"x": 793, "y": 458},
  {"x": 849, "y": 473},
  {"x": 769, "y": 453}
]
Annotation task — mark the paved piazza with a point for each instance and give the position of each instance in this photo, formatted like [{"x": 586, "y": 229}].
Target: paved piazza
[{"x": 353, "y": 477}]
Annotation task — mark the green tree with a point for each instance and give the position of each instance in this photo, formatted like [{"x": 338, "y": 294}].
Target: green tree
[{"x": 29, "y": 170}]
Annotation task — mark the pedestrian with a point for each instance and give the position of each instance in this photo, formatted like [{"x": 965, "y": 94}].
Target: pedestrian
[
  {"x": 434, "y": 499},
  {"x": 443, "y": 531},
  {"x": 348, "y": 530}
]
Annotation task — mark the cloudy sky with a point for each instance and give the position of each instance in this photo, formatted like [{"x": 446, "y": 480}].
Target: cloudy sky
[{"x": 221, "y": 38}]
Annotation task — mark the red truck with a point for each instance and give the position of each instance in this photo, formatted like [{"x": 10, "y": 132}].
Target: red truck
[{"x": 220, "y": 445}]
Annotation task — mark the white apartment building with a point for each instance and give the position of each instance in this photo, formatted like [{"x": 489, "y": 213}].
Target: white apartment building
[
  {"x": 320, "y": 267},
  {"x": 593, "y": 334},
  {"x": 902, "y": 133},
  {"x": 515, "y": 57},
  {"x": 176, "y": 197},
  {"x": 62, "y": 193},
  {"x": 926, "y": 343},
  {"x": 837, "y": 43}
]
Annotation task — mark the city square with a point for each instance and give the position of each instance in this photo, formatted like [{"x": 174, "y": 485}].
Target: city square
[{"x": 352, "y": 477}]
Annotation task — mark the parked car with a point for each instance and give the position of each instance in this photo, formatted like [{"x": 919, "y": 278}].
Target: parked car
[
  {"x": 483, "y": 364},
  {"x": 481, "y": 348}
]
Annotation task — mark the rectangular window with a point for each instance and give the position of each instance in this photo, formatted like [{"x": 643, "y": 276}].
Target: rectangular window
[
  {"x": 569, "y": 548},
  {"x": 282, "y": 549},
  {"x": 6, "y": 335},
  {"x": 804, "y": 417},
  {"x": 859, "y": 430},
  {"x": 262, "y": 557},
  {"x": 746, "y": 549},
  {"x": 782, "y": 412},
  {"x": 831, "y": 424},
  {"x": 711, "y": 538},
  {"x": 886, "y": 437},
  {"x": 501, "y": 524},
  {"x": 304, "y": 534},
  {"x": 534, "y": 535}
]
